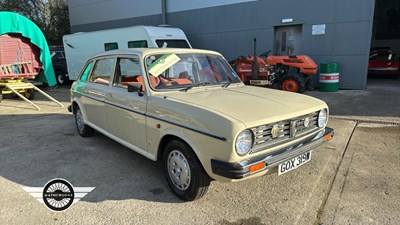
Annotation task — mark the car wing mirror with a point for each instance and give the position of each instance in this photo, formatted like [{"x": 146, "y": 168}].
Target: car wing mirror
[{"x": 135, "y": 88}]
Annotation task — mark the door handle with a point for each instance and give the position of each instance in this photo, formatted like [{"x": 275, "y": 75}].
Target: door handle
[{"x": 108, "y": 95}]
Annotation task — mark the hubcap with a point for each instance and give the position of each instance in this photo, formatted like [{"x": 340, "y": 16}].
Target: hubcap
[
  {"x": 79, "y": 120},
  {"x": 179, "y": 170}
]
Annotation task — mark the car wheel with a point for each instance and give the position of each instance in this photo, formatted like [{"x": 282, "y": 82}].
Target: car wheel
[
  {"x": 83, "y": 129},
  {"x": 183, "y": 171},
  {"x": 292, "y": 83},
  {"x": 30, "y": 93}
]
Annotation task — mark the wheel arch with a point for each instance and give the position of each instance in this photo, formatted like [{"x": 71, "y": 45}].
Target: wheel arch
[
  {"x": 171, "y": 135},
  {"x": 168, "y": 137},
  {"x": 75, "y": 104}
]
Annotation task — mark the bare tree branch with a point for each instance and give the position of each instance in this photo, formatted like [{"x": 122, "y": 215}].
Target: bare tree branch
[{"x": 50, "y": 15}]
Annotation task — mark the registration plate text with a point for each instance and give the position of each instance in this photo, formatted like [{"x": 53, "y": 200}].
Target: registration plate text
[{"x": 294, "y": 163}]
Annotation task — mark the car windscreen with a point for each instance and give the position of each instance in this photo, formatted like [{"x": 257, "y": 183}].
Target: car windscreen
[
  {"x": 179, "y": 71},
  {"x": 171, "y": 43}
]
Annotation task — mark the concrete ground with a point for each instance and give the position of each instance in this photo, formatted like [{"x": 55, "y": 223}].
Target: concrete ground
[{"x": 352, "y": 179}]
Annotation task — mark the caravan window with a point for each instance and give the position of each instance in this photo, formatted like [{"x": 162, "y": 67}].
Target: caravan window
[
  {"x": 110, "y": 46},
  {"x": 168, "y": 43},
  {"x": 137, "y": 44}
]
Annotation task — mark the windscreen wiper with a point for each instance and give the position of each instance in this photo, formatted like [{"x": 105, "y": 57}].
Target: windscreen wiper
[{"x": 196, "y": 85}]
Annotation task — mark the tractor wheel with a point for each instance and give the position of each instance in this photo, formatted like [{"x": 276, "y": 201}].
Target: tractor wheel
[{"x": 292, "y": 83}]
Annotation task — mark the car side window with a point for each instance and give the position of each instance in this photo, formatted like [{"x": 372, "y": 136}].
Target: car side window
[
  {"x": 127, "y": 71},
  {"x": 85, "y": 73},
  {"x": 102, "y": 71}
]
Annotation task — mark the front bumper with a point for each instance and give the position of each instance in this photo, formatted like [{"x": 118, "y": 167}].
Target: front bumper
[{"x": 271, "y": 159}]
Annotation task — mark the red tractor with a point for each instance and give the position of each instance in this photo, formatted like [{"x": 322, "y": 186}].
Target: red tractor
[{"x": 289, "y": 73}]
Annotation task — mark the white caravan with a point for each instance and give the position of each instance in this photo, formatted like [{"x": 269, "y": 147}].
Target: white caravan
[{"x": 81, "y": 46}]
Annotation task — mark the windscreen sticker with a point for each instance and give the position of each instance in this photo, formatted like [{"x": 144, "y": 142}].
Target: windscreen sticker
[{"x": 163, "y": 63}]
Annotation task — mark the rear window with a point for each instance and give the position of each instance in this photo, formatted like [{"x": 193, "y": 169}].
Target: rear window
[
  {"x": 381, "y": 56},
  {"x": 169, "y": 43},
  {"x": 57, "y": 55}
]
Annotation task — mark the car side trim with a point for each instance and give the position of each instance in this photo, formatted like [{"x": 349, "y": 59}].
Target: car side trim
[
  {"x": 91, "y": 97},
  {"x": 161, "y": 119},
  {"x": 187, "y": 127},
  {"x": 125, "y": 108}
]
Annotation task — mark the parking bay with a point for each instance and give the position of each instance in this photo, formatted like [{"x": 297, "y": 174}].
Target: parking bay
[{"x": 131, "y": 189}]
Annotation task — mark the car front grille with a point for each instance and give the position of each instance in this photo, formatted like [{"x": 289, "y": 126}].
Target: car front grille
[{"x": 273, "y": 134}]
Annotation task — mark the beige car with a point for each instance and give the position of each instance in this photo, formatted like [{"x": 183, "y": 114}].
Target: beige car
[{"x": 188, "y": 108}]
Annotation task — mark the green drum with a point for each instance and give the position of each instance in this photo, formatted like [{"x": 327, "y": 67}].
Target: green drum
[{"x": 329, "y": 77}]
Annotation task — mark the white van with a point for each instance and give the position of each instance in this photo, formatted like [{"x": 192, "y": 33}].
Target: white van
[{"x": 81, "y": 46}]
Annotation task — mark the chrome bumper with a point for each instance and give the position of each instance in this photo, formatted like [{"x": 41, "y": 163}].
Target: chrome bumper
[{"x": 242, "y": 169}]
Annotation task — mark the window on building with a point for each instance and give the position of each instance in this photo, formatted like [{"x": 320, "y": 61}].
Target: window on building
[
  {"x": 137, "y": 44},
  {"x": 283, "y": 41}
]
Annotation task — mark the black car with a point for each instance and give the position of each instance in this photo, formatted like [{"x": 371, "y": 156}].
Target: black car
[{"x": 60, "y": 64}]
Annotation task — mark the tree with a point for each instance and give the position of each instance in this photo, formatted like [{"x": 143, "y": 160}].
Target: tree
[
  {"x": 51, "y": 16},
  {"x": 58, "y": 21}
]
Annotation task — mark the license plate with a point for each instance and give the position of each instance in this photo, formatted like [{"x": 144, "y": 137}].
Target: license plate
[{"x": 294, "y": 163}]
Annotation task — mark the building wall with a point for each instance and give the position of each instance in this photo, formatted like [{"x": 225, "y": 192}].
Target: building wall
[{"x": 230, "y": 26}]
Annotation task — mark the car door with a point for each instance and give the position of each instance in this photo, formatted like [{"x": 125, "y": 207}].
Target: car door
[
  {"x": 97, "y": 86},
  {"x": 125, "y": 111}
]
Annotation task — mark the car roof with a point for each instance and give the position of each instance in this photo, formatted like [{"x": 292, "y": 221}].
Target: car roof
[
  {"x": 382, "y": 51},
  {"x": 147, "y": 51}
]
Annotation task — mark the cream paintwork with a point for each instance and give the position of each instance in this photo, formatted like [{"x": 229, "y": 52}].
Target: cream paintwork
[
  {"x": 127, "y": 125},
  {"x": 257, "y": 105},
  {"x": 218, "y": 111}
]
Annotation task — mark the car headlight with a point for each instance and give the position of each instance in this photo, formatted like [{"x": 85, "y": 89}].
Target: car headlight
[
  {"x": 244, "y": 142},
  {"x": 322, "y": 118}
]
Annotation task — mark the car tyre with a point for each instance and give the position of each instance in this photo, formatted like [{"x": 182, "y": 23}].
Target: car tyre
[
  {"x": 83, "y": 129},
  {"x": 61, "y": 78},
  {"x": 183, "y": 171}
]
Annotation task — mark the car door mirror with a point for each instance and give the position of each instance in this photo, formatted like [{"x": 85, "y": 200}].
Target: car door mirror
[{"x": 135, "y": 88}]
